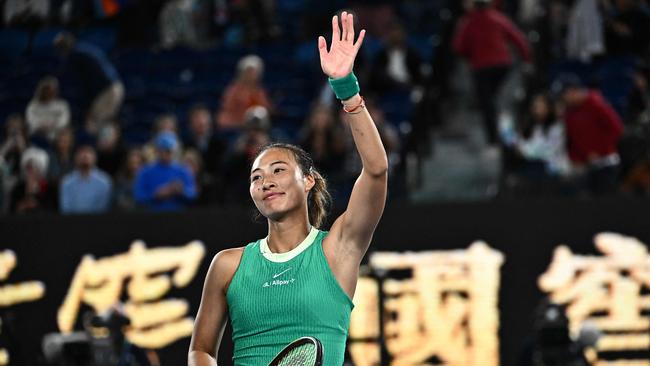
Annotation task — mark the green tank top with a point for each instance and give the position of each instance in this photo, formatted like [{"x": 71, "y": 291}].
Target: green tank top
[{"x": 274, "y": 299}]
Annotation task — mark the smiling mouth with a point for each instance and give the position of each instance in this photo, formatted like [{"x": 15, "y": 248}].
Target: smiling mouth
[{"x": 271, "y": 196}]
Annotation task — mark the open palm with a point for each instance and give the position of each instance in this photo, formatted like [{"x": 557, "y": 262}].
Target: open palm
[{"x": 338, "y": 62}]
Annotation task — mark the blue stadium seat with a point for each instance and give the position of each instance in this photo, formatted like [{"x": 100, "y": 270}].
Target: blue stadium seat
[
  {"x": 423, "y": 44},
  {"x": 13, "y": 43},
  {"x": 133, "y": 61},
  {"x": 371, "y": 46},
  {"x": 102, "y": 37},
  {"x": 43, "y": 43},
  {"x": 583, "y": 70},
  {"x": 135, "y": 87},
  {"x": 397, "y": 107},
  {"x": 42, "y": 64},
  {"x": 615, "y": 76}
]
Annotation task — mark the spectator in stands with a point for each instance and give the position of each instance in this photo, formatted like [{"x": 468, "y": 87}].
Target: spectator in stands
[
  {"x": 388, "y": 134},
  {"x": 26, "y": 13},
  {"x": 535, "y": 150},
  {"x": 202, "y": 138},
  {"x": 638, "y": 180},
  {"x": 177, "y": 24},
  {"x": 87, "y": 189},
  {"x": 204, "y": 182},
  {"x": 33, "y": 192},
  {"x": 317, "y": 16},
  {"x": 542, "y": 139},
  {"x": 166, "y": 122},
  {"x": 323, "y": 137},
  {"x": 237, "y": 166},
  {"x": 47, "y": 113},
  {"x": 14, "y": 144},
  {"x": 165, "y": 185},
  {"x": 11, "y": 149},
  {"x": 585, "y": 32},
  {"x": 397, "y": 67},
  {"x": 244, "y": 92},
  {"x": 258, "y": 19},
  {"x": 638, "y": 111},
  {"x": 483, "y": 36},
  {"x": 111, "y": 151},
  {"x": 352, "y": 164},
  {"x": 125, "y": 180},
  {"x": 627, "y": 28},
  {"x": 61, "y": 155},
  {"x": 101, "y": 82},
  {"x": 258, "y": 117},
  {"x": 593, "y": 130}
]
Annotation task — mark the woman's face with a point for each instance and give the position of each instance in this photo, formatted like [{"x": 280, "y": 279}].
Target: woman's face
[
  {"x": 277, "y": 184},
  {"x": 167, "y": 124},
  {"x": 14, "y": 126},
  {"x": 250, "y": 75},
  {"x": 540, "y": 108},
  {"x": 192, "y": 163},
  {"x": 64, "y": 141},
  {"x": 134, "y": 161},
  {"x": 50, "y": 92}
]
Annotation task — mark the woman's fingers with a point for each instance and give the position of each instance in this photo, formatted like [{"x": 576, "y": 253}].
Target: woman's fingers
[
  {"x": 345, "y": 26},
  {"x": 350, "y": 28},
  {"x": 322, "y": 46},
  {"x": 362, "y": 35},
  {"x": 336, "y": 35}
]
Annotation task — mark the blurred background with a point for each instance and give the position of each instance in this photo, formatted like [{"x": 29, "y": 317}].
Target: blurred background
[
  {"x": 465, "y": 114},
  {"x": 524, "y": 123}
]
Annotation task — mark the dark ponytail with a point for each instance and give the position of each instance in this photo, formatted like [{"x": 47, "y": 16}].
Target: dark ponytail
[{"x": 319, "y": 199}]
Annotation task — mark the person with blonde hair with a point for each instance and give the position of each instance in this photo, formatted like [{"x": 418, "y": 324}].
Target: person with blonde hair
[{"x": 244, "y": 92}]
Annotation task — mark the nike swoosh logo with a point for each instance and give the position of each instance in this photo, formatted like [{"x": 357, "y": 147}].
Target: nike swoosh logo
[{"x": 281, "y": 273}]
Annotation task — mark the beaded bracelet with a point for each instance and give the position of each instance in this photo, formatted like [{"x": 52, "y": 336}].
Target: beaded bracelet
[{"x": 356, "y": 109}]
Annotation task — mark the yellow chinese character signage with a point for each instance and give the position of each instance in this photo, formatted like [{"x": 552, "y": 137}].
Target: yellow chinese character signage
[
  {"x": 15, "y": 293},
  {"x": 609, "y": 291},
  {"x": 155, "y": 322},
  {"x": 446, "y": 309}
]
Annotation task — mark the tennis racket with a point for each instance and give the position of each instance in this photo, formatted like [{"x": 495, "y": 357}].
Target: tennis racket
[{"x": 305, "y": 351}]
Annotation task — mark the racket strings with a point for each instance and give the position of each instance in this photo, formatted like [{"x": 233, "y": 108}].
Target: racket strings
[{"x": 300, "y": 356}]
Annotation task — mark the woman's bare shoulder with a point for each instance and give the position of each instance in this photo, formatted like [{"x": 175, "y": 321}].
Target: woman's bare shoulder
[
  {"x": 228, "y": 258},
  {"x": 225, "y": 264}
]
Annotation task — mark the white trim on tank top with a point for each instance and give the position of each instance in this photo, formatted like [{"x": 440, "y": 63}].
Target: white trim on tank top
[{"x": 287, "y": 256}]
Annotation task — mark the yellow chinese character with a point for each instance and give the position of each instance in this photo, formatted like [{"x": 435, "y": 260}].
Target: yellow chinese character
[
  {"x": 447, "y": 309},
  {"x": 15, "y": 294},
  {"x": 605, "y": 290},
  {"x": 154, "y": 323}
]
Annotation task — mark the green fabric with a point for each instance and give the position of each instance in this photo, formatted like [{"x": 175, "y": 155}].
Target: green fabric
[
  {"x": 345, "y": 87},
  {"x": 272, "y": 304}
]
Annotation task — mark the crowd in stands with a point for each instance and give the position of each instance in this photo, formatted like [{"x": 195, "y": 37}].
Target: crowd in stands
[
  {"x": 582, "y": 126},
  {"x": 125, "y": 105}
]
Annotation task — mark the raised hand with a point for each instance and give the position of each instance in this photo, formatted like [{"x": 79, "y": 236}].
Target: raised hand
[{"x": 338, "y": 62}]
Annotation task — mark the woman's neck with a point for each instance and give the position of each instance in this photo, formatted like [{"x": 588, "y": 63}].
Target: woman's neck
[{"x": 287, "y": 234}]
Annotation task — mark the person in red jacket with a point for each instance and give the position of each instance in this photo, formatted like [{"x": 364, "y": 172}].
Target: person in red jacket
[
  {"x": 592, "y": 129},
  {"x": 482, "y": 37}
]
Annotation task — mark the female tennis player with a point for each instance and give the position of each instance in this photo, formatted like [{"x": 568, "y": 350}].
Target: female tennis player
[{"x": 299, "y": 280}]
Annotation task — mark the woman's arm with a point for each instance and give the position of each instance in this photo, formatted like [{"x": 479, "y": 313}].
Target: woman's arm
[
  {"x": 213, "y": 312},
  {"x": 353, "y": 230}
]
